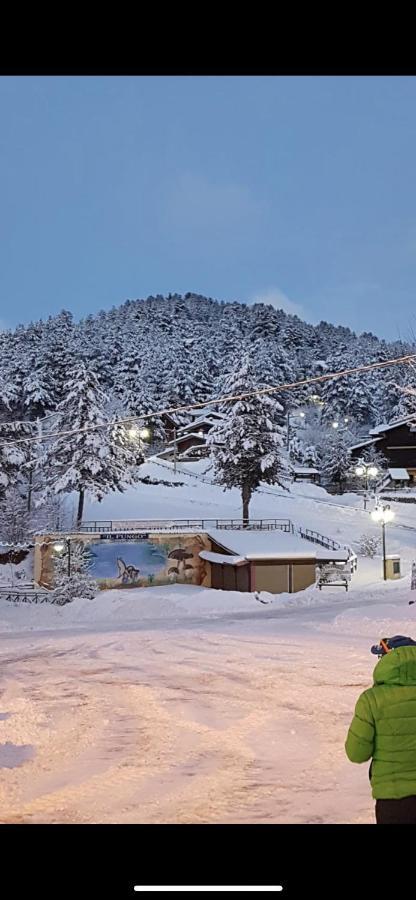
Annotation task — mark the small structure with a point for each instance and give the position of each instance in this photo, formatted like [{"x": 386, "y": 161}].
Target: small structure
[
  {"x": 393, "y": 567},
  {"x": 399, "y": 478},
  {"x": 276, "y": 562},
  {"x": 306, "y": 473}
]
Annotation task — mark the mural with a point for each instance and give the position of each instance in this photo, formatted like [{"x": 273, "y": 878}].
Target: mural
[
  {"x": 150, "y": 560},
  {"x": 132, "y": 560}
]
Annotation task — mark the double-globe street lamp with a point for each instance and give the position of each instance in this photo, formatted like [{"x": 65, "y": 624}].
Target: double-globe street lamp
[
  {"x": 366, "y": 471},
  {"x": 383, "y": 515}
]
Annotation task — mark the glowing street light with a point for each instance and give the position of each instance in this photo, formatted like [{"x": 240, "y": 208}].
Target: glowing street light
[
  {"x": 60, "y": 547},
  {"x": 366, "y": 470},
  {"x": 335, "y": 425},
  {"x": 383, "y": 515}
]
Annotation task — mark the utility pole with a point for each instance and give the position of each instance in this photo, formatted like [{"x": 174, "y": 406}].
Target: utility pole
[
  {"x": 68, "y": 543},
  {"x": 175, "y": 451},
  {"x": 383, "y": 524}
]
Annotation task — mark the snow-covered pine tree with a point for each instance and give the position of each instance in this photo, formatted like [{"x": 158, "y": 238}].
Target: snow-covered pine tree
[
  {"x": 14, "y": 519},
  {"x": 246, "y": 446},
  {"x": 335, "y": 458},
  {"x": 15, "y": 453},
  {"x": 91, "y": 455}
]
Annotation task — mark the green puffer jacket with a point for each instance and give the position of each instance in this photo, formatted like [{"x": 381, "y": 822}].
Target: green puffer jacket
[{"x": 384, "y": 726}]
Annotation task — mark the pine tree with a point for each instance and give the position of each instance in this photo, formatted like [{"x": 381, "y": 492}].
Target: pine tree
[
  {"x": 91, "y": 455},
  {"x": 335, "y": 458},
  {"x": 247, "y": 445},
  {"x": 14, "y": 520}
]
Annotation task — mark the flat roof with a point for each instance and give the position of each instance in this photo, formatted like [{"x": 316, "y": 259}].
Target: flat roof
[{"x": 274, "y": 544}]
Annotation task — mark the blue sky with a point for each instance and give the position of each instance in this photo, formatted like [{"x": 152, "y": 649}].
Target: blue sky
[{"x": 300, "y": 191}]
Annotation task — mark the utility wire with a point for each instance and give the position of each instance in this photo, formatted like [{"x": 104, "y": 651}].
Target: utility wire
[{"x": 130, "y": 420}]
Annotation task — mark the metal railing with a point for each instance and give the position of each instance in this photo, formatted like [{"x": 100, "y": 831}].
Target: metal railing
[
  {"x": 30, "y": 595},
  {"x": 113, "y": 526},
  {"x": 324, "y": 541},
  {"x": 309, "y": 535}
]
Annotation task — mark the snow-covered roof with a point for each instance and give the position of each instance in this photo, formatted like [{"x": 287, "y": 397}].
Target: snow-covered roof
[
  {"x": 196, "y": 424},
  {"x": 407, "y": 420},
  {"x": 261, "y": 545},
  {"x": 203, "y": 413},
  {"x": 305, "y": 470},
  {"x": 399, "y": 474},
  {"x": 222, "y": 558},
  {"x": 185, "y": 437},
  {"x": 365, "y": 443},
  {"x": 272, "y": 543}
]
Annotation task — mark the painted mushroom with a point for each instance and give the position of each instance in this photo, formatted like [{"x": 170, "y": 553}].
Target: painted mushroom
[{"x": 181, "y": 556}]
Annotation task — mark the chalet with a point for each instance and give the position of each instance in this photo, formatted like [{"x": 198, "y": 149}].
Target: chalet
[
  {"x": 397, "y": 443},
  {"x": 190, "y": 440}
]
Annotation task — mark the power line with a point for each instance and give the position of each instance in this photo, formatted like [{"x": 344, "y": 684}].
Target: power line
[{"x": 130, "y": 420}]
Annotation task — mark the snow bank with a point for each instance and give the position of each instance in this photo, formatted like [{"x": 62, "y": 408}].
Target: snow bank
[{"x": 173, "y": 602}]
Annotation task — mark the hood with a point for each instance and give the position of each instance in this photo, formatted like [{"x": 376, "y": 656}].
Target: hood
[{"x": 397, "y": 667}]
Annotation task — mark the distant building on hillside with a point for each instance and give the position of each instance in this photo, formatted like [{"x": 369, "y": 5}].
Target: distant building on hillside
[{"x": 190, "y": 441}]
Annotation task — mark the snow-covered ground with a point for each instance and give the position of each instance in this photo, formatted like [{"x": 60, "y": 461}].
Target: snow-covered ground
[{"x": 180, "y": 704}]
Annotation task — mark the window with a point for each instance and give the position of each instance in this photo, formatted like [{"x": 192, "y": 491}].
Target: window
[{"x": 396, "y": 567}]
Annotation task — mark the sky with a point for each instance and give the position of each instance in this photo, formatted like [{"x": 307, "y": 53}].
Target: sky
[{"x": 298, "y": 191}]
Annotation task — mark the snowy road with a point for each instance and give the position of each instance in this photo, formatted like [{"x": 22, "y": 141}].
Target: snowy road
[{"x": 228, "y": 723}]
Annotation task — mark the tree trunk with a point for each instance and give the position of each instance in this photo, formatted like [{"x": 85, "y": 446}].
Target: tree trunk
[
  {"x": 246, "y": 497},
  {"x": 80, "y": 507}
]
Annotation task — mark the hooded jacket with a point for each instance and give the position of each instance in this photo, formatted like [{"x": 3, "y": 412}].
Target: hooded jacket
[{"x": 384, "y": 726}]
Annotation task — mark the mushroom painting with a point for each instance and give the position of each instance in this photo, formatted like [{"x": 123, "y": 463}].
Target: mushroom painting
[{"x": 181, "y": 567}]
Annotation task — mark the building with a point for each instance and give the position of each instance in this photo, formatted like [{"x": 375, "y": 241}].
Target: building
[
  {"x": 217, "y": 553},
  {"x": 397, "y": 443},
  {"x": 306, "y": 473},
  {"x": 273, "y": 561},
  {"x": 189, "y": 441}
]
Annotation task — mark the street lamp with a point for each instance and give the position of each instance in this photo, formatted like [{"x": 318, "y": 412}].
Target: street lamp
[
  {"x": 383, "y": 515},
  {"x": 300, "y": 415},
  {"x": 60, "y": 547},
  {"x": 366, "y": 470},
  {"x": 335, "y": 425}
]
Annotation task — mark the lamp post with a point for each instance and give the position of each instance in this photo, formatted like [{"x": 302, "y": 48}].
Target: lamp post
[
  {"x": 383, "y": 514},
  {"x": 60, "y": 547},
  {"x": 291, "y": 415},
  {"x": 366, "y": 471}
]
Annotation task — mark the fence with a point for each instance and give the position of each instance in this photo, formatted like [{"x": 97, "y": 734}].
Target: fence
[
  {"x": 112, "y": 526},
  {"x": 316, "y": 538},
  {"x": 25, "y": 596}
]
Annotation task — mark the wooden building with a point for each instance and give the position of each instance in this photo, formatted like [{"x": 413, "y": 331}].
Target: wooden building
[{"x": 397, "y": 443}]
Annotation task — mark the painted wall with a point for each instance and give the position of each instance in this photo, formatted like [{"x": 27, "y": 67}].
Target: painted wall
[{"x": 133, "y": 561}]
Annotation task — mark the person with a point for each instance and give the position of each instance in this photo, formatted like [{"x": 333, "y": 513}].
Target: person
[{"x": 384, "y": 730}]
